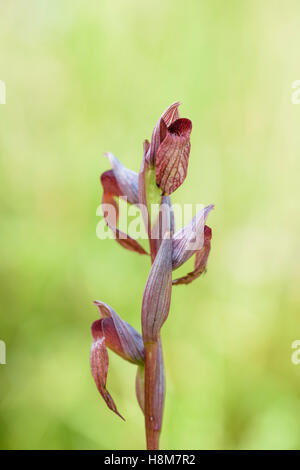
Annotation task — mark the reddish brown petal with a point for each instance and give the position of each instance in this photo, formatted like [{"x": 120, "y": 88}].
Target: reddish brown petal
[
  {"x": 99, "y": 365},
  {"x": 121, "y": 333},
  {"x": 202, "y": 255},
  {"x": 129, "y": 243},
  {"x": 160, "y": 130},
  {"x": 171, "y": 114},
  {"x": 189, "y": 239},
  {"x": 200, "y": 260},
  {"x": 172, "y": 156},
  {"x": 112, "y": 339},
  {"x": 127, "y": 180},
  {"x": 111, "y": 218},
  {"x": 112, "y": 332},
  {"x": 109, "y": 183},
  {"x": 120, "y": 181}
]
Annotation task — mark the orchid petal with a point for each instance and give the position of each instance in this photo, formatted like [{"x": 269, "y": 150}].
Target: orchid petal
[
  {"x": 131, "y": 341},
  {"x": 200, "y": 261},
  {"x": 171, "y": 114},
  {"x": 111, "y": 181},
  {"x": 189, "y": 239},
  {"x": 110, "y": 184},
  {"x": 159, "y": 132},
  {"x": 172, "y": 156},
  {"x": 126, "y": 179},
  {"x": 99, "y": 365},
  {"x": 113, "y": 333}
]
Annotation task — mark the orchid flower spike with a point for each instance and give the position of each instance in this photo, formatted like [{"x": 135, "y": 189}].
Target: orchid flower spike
[{"x": 164, "y": 168}]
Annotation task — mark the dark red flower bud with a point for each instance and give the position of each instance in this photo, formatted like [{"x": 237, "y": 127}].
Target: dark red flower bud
[
  {"x": 172, "y": 157},
  {"x": 169, "y": 149}
]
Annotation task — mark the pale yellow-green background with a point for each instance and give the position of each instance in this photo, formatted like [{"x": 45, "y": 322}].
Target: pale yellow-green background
[{"x": 84, "y": 77}]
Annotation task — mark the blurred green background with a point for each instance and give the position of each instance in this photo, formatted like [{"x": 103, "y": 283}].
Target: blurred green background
[{"x": 87, "y": 77}]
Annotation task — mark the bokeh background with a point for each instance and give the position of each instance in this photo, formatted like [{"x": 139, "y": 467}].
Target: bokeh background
[{"x": 86, "y": 77}]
